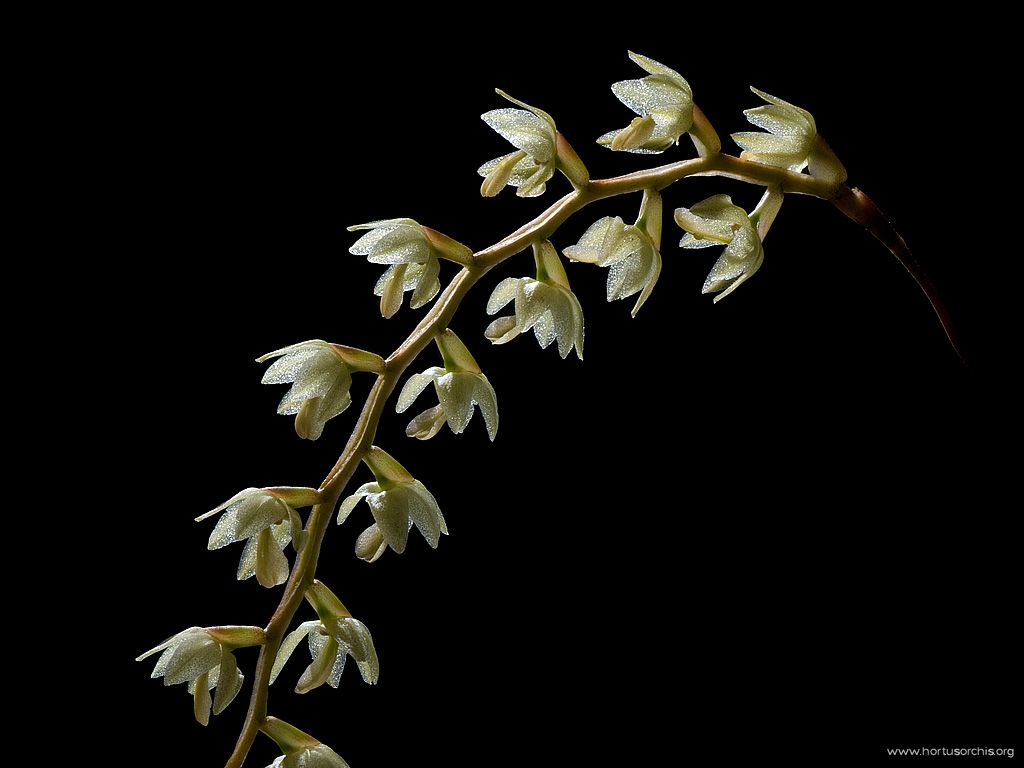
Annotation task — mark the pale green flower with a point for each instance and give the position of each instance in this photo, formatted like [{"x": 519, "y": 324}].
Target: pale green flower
[
  {"x": 411, "y": 251},
  {"x": 460, "y": 385},
  {"x": 664, "y": 101},
  {"x": 545, "y": 304},
  {"x": 791, "y": 141},
  {"x": 267, "y": 520},
  {"x": 330, "y": 644},
  {"x": 532, "y": 132},
  {"x": 716, "y": 221},
  {"x": 202, "y": 658},
  {"x": 631, "y": 252},
  {"x": 332, "y": 639},
  {"x": 398, "y": 501},
  {"x": 320, "y": 374}
]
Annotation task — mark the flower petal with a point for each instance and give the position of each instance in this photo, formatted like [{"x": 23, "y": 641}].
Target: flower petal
[
  {"x": 414, "y": 386},
  {"x": 229, "y": 682},
  {"x": 289, "y": 644}
]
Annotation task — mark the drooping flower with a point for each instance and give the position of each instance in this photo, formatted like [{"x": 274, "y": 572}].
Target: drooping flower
[
  {"x": 332, "y": 639},
  {"x": 300, "y": 749},
  {"x": 540, "y": 151},
  {"x": 320, "y": 374},
  {"x": 267, "y": 520},
  {"x": 412, "y": 252},
  {"x": 791, "y": 141},
  {"x": 717, "y": 221},
  {"x": 460, "y": 385},
  {"x": 202, "y": 658},
  {"x": 398, "y": 501},
  {"x": 545, "y": 304},
  {"x": 630, "y": 251},
  {"x": 664, "y": 102}
]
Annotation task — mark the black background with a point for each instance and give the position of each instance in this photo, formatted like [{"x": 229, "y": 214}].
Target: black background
[{"x": 775, "y": 526}]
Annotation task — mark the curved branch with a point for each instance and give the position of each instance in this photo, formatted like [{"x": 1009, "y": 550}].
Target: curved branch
[{"x": 436, "y": 320}]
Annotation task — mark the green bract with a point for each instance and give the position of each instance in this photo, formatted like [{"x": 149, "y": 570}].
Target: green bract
[
  {"x": 716, "y": 221},
  {"x": 664, "y": 102}
]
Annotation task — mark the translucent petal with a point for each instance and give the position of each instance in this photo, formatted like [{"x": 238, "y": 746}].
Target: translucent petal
[
  {"x": 356, "y": 636},
  {"x": 657, "y": 68},
  {"x": 287, "y": 368},
  {"x": 378, "y": 229},
  {"x": 247, "y": 563},
  {"x": 738, "y": 262},
  {"x": 402, "y": 244},
  {"x": 424, "y": 512},
  {"x": 237, "y": 498},
  {"x": 289, "y": 644},
  {"x": 487, "y": 400},
  {"x": 312, "y": 344},
  {"x": 391, "y": 512},
  {"x": 324, "y": 655},
  {"x": 414, "y": 386},
  {"x": 168, "y": 643},
  {"x": 533, "y": 301},
  {"x": 339, "y": 666},
  {"x": 689, "y": 241},
  {"x": 349, "y": 503},
  {"x": 455, "y": 393},
  {"x": 247, "y": 518},
  {"x": 544, "y": 329},
  {"x": 795, "y": 113},
  {"x": 524, "y": 130},
  {"x": 503, "y": 293},
  {"x": 427, "y": 424},
  {"x": 427, "y": 285},
  {"x": 191, "y": 658},
  {"x": 229, "y": 682},
  {"x": 651, "y": 95}
]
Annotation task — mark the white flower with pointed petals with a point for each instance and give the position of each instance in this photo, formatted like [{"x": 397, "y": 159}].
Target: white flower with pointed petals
[
  {"x": 716, "y": 221},
  {"x": 320, "y": 374},
  {"x": 330, "y": 644},
  {"x": 267, "y": 520},
  {"x": 532, "y": 132},
  {"x": 201, "y": 658},
  {"x": 631, "y": 252},
  {"x": 545, "y": 304},
  {"x": 411, "y": 251},
  {"x": 790, "y": 137},
  {"x": 664, "y": 101},
  {"x": 398, "y": 501},
  {"x": 319, "y": 756},
  {"x": 461, "y": 387}
]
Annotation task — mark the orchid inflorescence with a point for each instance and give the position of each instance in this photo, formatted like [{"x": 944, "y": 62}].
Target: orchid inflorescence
[{"x": 788, "y": 156}]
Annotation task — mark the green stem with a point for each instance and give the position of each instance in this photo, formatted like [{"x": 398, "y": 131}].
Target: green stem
[{"x": 436, "y": 320}]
